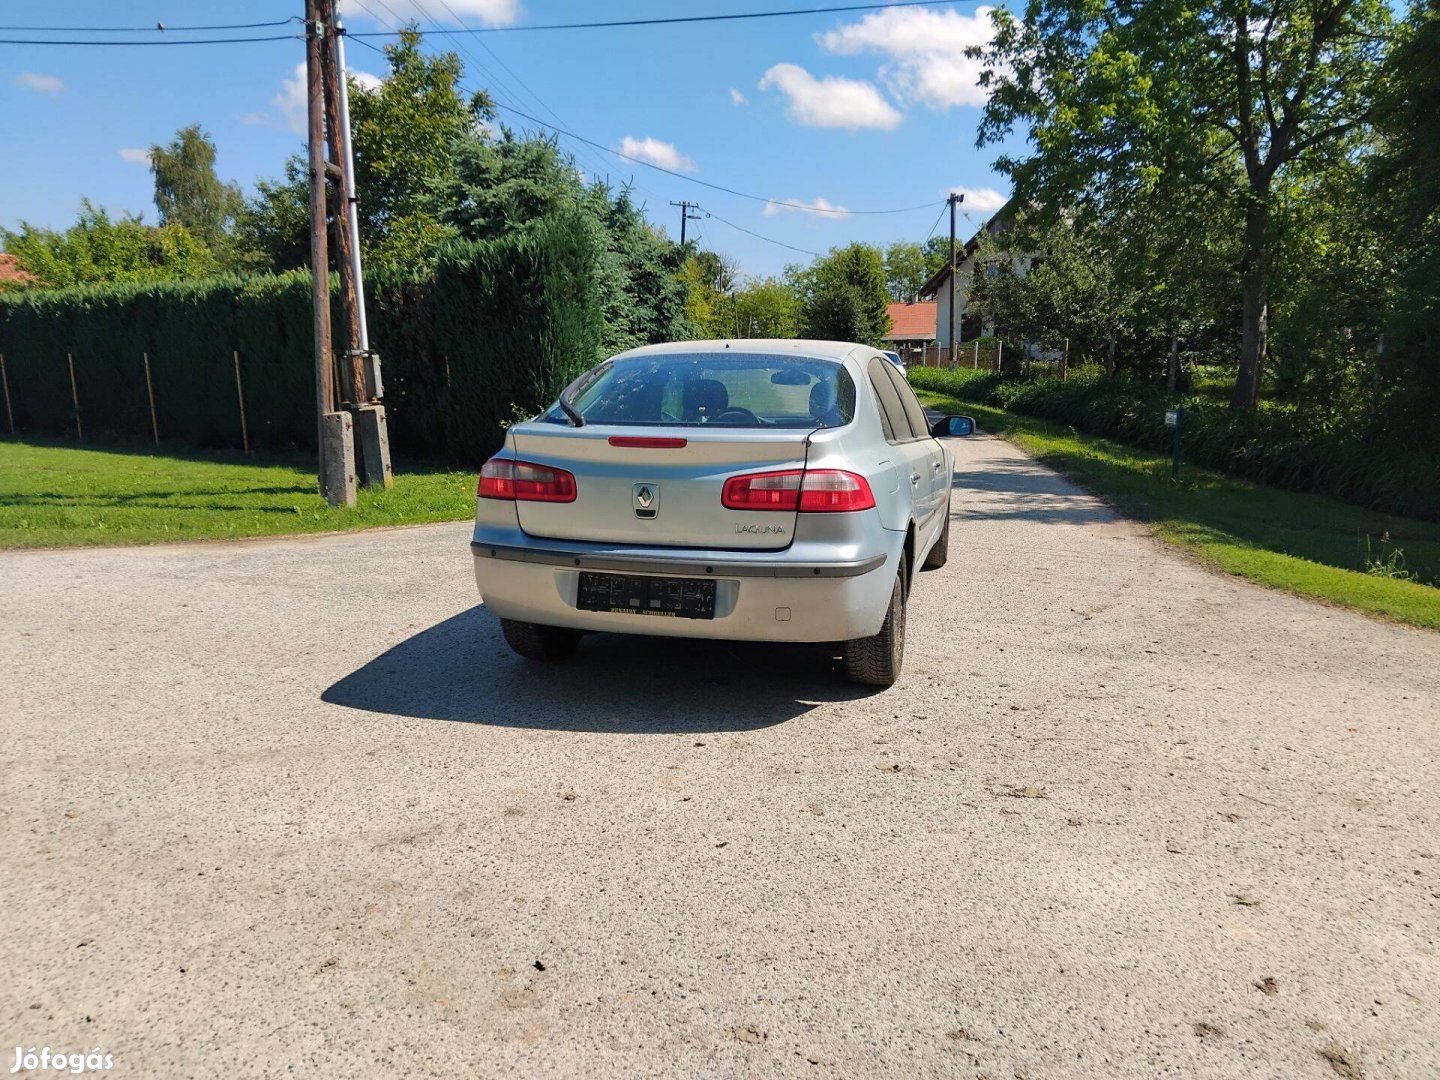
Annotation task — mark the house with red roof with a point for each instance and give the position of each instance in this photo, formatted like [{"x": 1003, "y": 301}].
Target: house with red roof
[{"x": 912, "y": 327}]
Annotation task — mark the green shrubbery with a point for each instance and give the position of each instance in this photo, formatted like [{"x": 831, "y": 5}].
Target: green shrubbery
[
  {"x": 1272, "y": 445},
  {"x": 497, "y": 327}
]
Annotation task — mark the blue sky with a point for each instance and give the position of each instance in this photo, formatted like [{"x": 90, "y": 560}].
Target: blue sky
[{"x": 859, "y": 110}]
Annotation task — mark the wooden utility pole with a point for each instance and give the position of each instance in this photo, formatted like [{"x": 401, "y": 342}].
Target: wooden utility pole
[
  {"x": 685, "y": 215},
  {"x": 333, "y": 430},
  {"x": 955, "y": 199},
  {"x": 353, "y": 390},
  {"x": 360, "y": 371}
]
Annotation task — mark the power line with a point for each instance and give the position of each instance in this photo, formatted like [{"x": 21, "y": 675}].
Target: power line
[
  {"x": 671, "y": 20},
  {"x": 705, "y": 183},
  {"x": 935, "y": 226},
  {"x": 178, "y": 41},
  {"x": 759, "y": 236},
  {"x": 156, "y": 29}
]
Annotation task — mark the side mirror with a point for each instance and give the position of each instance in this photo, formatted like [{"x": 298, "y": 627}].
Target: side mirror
[{"x": 949, "y": 427}]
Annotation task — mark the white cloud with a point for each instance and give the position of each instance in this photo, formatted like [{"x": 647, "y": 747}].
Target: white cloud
[
  {"x": 737, "y": 98},
  {"x": 250, "y": 119},
  {"x": 41, "y": 84},
  {"x": 832, "y": 101},
  {"x": 136, "y": 155},
  {"x": 656, "y": 152},
  {"x": 365, "y": 80},
  {"x": 983, "y": 200},
  {"x": 926, "y": 49},
  {"x": 292, "y": 101},
  {"x": 486, "y": 12},
  {"x": 821, "y": 206}
]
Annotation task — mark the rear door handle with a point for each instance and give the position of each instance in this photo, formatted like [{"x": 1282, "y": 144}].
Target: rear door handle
[
  {"x": 939, "y": 465},
  {"x": 915, "y": 479}
]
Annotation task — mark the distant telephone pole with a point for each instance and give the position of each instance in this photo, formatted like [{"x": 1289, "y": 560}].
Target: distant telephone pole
[
  {"x": 955, "y": 199},
  {"x": 685, "y": 215}
]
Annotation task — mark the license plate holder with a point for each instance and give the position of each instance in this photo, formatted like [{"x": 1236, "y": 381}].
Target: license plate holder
[{"x": 635, "y": 594}]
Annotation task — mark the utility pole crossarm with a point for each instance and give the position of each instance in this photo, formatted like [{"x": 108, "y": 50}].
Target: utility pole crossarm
[{"x": 686, "y": 215}]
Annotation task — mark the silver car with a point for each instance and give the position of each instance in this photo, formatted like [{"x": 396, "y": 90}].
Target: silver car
[{"x": 746, "y": 490}]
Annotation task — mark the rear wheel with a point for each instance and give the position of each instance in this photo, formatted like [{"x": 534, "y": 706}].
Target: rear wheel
[
  {"x": 536, "y": 642},
  {"x": 875, "y": 661},
  {"x": 940, "y": 550}
]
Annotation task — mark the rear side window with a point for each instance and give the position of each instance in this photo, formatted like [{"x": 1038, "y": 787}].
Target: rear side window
[
  {"x": 914, "y": 411},
  {"x": 732, "y": 390},
  {"x": 892, "y": 412}
]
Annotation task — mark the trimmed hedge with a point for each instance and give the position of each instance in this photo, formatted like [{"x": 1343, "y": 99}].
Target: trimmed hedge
[
  {"x": 497, "y": 328},
  {"x": 1272, "y": 445}
]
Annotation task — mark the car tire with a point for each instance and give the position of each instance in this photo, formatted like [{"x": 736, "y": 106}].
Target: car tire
[
  {"x": 940, "y": 550},
  {"x": 536, "y": 642},
  {"x": 875, "y": 661}
]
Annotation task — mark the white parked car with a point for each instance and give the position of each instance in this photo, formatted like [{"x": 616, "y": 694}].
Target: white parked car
[
  {"x": 894, "y": 358},
  {"x": 749, "y": 490}
]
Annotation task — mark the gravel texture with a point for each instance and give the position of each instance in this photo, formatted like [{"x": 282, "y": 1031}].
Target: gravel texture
[{"x": 292, "y": 806}]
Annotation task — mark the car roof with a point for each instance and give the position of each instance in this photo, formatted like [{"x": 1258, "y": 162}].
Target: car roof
[{"x": 799, "y": 348}]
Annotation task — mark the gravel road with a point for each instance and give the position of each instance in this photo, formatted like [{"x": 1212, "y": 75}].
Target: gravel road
[{"x": 292, "y": 806}]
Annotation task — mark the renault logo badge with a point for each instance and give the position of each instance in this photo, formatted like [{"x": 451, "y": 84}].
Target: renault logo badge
[{"x": 647, "y": 500}]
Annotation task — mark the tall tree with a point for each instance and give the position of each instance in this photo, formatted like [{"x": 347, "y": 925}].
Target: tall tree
[
  {"x": 498, "y": 187},
  {"x": 405, "y": 132},
  {"x": 1405, "y": 191},
  {"x": 905, "y": 269},
  {"x": 187, "y": 190},
  {"x": 1225, "y": 94},
  {"x": 843, "y": 295}
]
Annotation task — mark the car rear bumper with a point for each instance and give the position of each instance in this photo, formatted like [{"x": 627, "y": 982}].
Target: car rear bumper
[{"x": 792, "y": 595}]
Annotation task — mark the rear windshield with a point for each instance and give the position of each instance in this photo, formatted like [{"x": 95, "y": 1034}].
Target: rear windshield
[{"x": 732, "y": 390}]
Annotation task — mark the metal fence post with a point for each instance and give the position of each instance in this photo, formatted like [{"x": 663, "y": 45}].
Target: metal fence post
[
  {"x": 240, "y": 395},
  {"x": 75, "y": 398},
  {"x": 150, "y": 393},
  {"x": 5, "y": 381}
]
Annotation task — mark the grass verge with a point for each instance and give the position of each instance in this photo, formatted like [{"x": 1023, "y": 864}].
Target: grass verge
[
  {"x": 53, "y": 495},
  {"x": 1304, "y": 544}
]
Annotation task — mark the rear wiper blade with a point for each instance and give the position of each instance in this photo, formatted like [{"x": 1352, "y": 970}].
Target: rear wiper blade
[
  {"x": 570, "y": 410},
  {"x": 567, "y": 405}
]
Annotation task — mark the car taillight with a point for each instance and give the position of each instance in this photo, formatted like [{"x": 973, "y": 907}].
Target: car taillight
[
  {"x": 506, "y": 478},
  {"x": 762, "y": 491},
  {"x": 831, "y": 491},
  {"x": 819, "y": 491}
]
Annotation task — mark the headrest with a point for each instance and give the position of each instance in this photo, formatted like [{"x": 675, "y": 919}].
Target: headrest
[{"x": 704, "y": 398}]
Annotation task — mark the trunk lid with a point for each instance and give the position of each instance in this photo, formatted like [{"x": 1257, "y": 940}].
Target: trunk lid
[{"x": 658, "y": 496}]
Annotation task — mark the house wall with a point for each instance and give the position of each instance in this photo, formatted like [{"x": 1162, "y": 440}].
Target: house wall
[
  {"x": 1020, "y": 265},
  {"x": 942, "y": 304}
]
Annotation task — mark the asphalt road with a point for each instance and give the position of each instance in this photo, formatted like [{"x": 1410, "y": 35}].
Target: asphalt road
[{"x": 292, "y": 807}]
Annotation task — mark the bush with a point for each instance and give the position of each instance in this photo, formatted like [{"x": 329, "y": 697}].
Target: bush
[
  {"x": 517, "y": 319},
  {"x": 1323, "y": 454},
  {"x": 498, "y": 326}
]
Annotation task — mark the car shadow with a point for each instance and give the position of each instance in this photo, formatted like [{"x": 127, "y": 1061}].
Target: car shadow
[{"x": 461, "y": 670}]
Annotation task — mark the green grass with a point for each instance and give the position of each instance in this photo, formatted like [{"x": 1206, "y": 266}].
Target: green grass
[
  {"x": 1304, "y": 544},
  {"x": 53, "y": 495}
]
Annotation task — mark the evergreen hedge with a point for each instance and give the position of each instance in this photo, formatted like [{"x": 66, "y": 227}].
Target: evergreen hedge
[
  {"x": 493, "y": 332},
  {"x": 1328, "y": 455}
]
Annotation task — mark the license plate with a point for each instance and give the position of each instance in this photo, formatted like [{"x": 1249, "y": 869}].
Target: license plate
[{"x": 672, "y": 598}]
